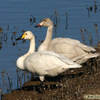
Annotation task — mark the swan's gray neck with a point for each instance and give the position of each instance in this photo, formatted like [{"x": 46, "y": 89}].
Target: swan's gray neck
[
  {"x": 48, "y": 35},
  {"x": 44, "y": 46}
]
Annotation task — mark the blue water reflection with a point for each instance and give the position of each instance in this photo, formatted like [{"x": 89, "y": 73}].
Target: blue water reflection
[{"x": 69, "y": 17}]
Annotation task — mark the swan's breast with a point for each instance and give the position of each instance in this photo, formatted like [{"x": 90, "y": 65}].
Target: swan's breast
[{"x": 19, "y": 63}]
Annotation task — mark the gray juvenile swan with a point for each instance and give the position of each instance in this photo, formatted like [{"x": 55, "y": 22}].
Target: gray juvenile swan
[
  {"x": 71, "y": 48},
  {"x": 43, "y": 63}
]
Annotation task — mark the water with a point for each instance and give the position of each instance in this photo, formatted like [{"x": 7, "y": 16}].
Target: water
[{"x": 18, "y": 15}]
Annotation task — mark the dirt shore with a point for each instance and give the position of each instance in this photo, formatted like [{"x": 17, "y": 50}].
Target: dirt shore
[{"x": 77, "y": 84}]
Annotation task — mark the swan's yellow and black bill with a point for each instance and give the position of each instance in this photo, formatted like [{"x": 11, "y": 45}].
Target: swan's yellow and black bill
[{"x": 21, "y": 37}]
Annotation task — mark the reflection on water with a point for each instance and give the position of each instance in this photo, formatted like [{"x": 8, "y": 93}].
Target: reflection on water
[
  {"x": 73, "y": 19},
  {"x": 32, "y": 19},
  {"x": 92, "y": 8}
]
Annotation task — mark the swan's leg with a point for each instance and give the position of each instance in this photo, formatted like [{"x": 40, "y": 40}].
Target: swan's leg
[
  {"x": 42, "y": 87},
  {"x": 42, "y": 84}
]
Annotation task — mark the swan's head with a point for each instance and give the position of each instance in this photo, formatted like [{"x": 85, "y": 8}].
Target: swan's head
[
  {"x": 27, "y": 35},
  {"x": 45, "y": 22}
]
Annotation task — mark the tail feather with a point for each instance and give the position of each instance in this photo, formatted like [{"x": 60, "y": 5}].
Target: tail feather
[
  {"x": 85, "y": 58},
  {"x": 91, "y": 55},
  {"x": 75, "y": 66}
]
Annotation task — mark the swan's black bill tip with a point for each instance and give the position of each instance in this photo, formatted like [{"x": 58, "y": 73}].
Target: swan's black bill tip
[{"x": 20, "y": 38}]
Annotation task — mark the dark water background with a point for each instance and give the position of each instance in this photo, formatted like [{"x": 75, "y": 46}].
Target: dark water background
[{"x": 69, "y": 18}]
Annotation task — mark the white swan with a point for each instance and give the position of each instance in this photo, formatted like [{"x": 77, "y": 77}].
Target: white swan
[
  {"x": 44, "y": 62},
  {"x": 26, "y": 35},
  {"x": 70, "y": 48}
]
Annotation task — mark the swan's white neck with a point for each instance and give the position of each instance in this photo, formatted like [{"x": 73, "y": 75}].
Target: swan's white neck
[
  {"x": 21, "y": 59},
  {"x": 44, "y": 46},
  {"x": 32, "y": 46}
]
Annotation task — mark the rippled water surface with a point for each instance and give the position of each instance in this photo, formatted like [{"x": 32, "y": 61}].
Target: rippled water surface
[{"x": 70, "y": 18}]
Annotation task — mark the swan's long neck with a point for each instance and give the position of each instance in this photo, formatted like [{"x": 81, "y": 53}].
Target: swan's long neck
[
  {"x": 20, "y": 61},
  {"x": 44, "y": 46},
  {"x": 48, "y": 35},
  {"x": 32, "y": 46}
]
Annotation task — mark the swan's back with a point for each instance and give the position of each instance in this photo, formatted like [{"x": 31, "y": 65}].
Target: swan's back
[
  {"x": 72, "y": 42},
  {"x": 73, "y": 49},
  {"x": 44, "y": 63}
]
